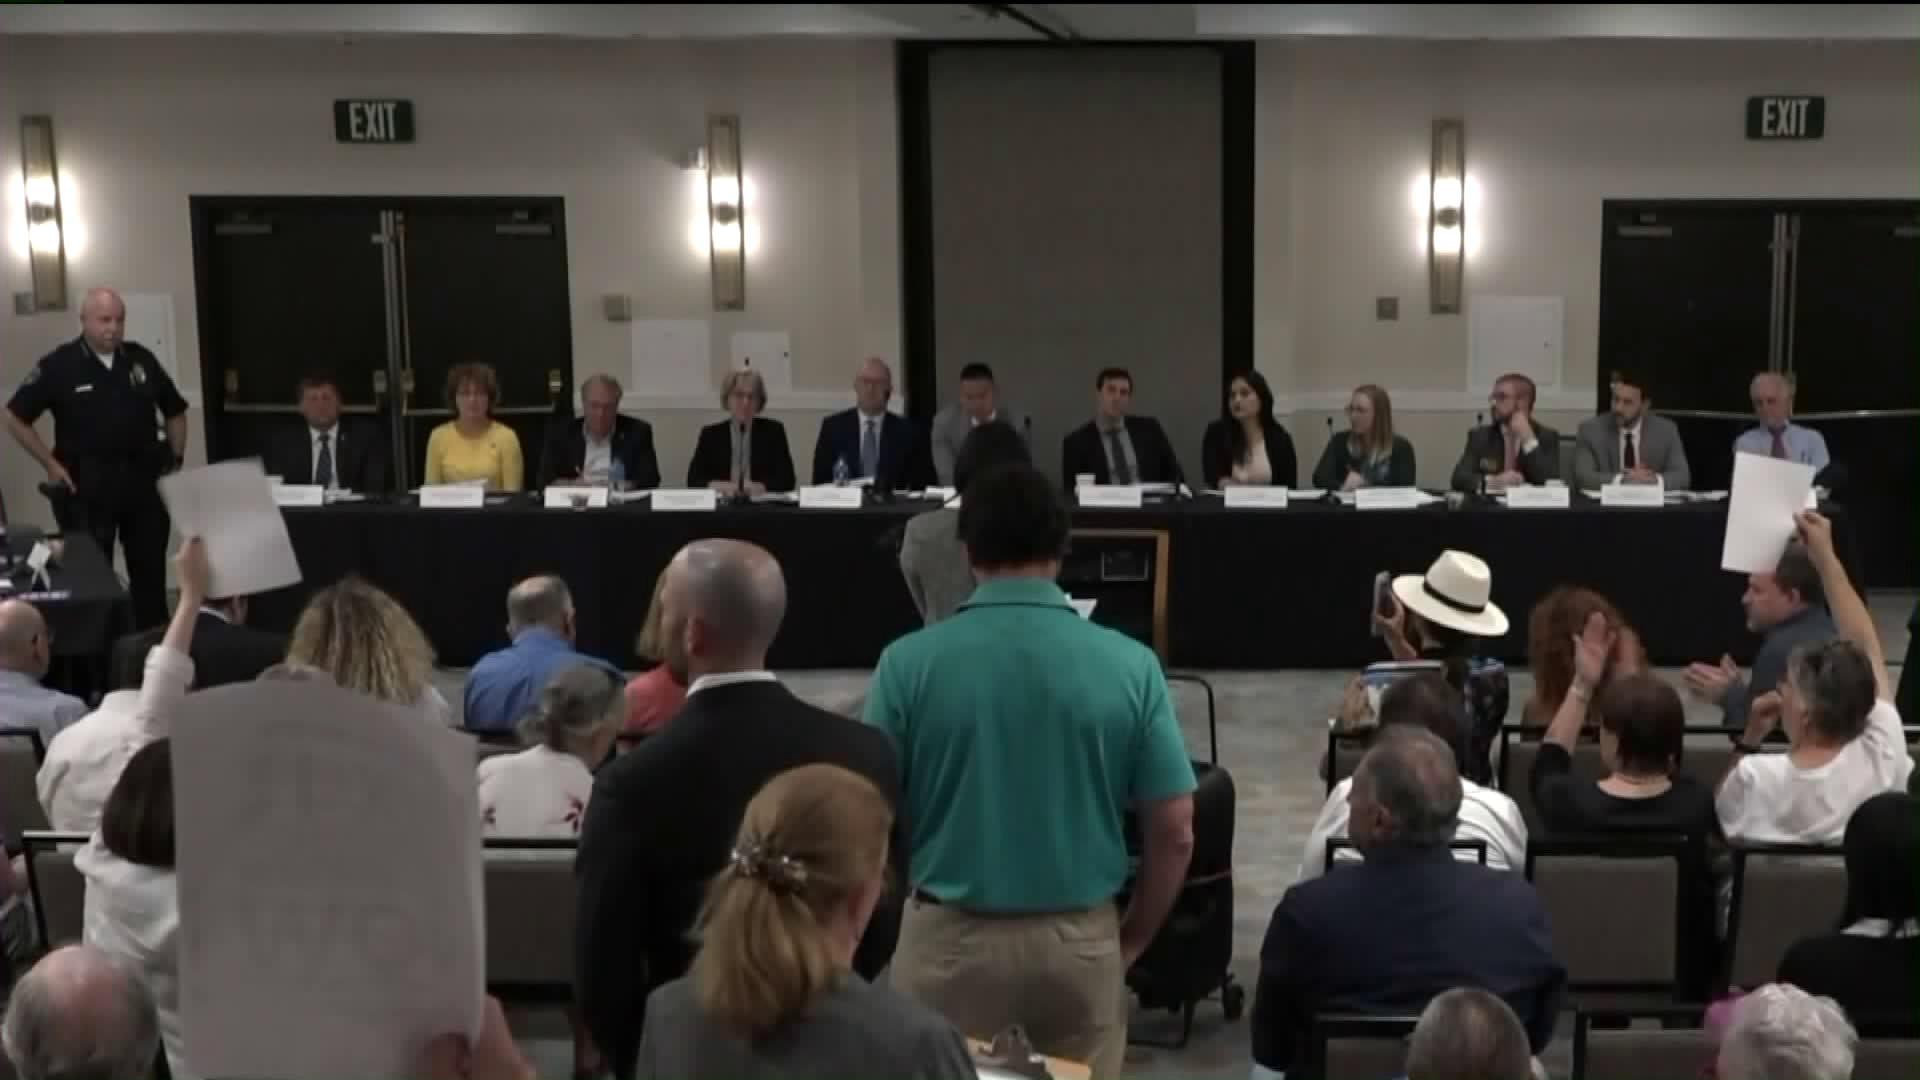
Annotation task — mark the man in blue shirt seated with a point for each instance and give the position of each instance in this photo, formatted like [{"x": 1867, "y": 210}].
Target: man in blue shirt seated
[
  {"x": 26, "y": 651},
  {"x": 1777, "y": 435},
  {"x": 504, "y": 683},
  {"x": 1386, "y": 936}
]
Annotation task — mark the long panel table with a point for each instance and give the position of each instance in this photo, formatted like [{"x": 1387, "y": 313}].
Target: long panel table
[{"x": 1247, "y": 588}]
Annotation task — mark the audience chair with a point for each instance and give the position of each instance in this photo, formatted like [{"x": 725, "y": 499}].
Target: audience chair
[
  {"x": 1213, "y": 727},
  {"x": 1887, "y": 1059},
  {"x": 1613, "y": 905},
  {"x": 58, "y": 890},
  {"x": 1359, "y": 1047},
  {"x": 1343, "y": 756},
  {"x": 1519, "y": 746},
  {"x": 1610, "y": 1045},
  {"x": 1464, "y": 850},
  {"x": 486, "y": 748},
  {"x": 529, "y": 893},
  {"x": 21, "y": 753},
  {"x": 1781, "y": 894}
]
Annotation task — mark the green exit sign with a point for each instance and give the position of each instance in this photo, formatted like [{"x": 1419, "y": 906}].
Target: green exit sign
[
  {"x": 364, "y": 120},
  {"x": 1786, "y": 117}
]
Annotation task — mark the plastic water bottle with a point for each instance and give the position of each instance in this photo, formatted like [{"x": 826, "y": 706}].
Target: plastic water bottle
[
  {"x": 617, "y": 475},
  {"x": 840, "y": 471}
]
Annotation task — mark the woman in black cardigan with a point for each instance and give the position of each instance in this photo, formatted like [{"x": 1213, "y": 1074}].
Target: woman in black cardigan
[
  {"x": 1250, "y": 446},
  {"x": 1369, "y": 454}
]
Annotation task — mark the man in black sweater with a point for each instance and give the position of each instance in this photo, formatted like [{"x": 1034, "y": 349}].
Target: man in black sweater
[{"x": 662, "y": 818}]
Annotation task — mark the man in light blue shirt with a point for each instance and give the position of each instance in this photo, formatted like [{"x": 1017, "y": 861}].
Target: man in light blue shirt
[
  {"x": 1778, "y": 436},
  {"x": 505, "y": 682},
  {"x": 26, "y": 650}
]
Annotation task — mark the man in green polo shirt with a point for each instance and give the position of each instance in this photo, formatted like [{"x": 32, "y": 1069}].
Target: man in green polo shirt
[{"x": 1024, "y": 734}]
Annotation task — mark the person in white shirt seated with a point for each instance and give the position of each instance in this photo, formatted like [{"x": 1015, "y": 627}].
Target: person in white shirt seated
[
  {"x": 1844, "y": 743},
  {"x": 1776, "y": 435},
  {"x": 1426, "y": 700},
  {"x": 542, "y": 791}
]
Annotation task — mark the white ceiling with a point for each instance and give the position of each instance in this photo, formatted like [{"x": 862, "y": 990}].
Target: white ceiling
[{"x": 971, "y": 21}]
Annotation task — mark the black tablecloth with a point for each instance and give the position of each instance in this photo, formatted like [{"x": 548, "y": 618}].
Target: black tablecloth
[{"x": 1247, "y": 588}]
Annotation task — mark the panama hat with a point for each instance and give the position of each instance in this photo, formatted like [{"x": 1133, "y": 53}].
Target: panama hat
[{"x": 1454, "y": 593}]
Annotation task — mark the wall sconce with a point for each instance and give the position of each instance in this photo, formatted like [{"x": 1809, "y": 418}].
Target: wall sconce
[
  {"x": 726, "y": 214},
  {"x": 46, "y": 246},
  {"x": 1447, "y": 216}
]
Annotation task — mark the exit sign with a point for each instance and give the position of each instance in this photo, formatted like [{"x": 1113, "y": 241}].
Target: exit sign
[
  {"x": 1786, "y": 117},
  {"x": 364, "y": 120}
]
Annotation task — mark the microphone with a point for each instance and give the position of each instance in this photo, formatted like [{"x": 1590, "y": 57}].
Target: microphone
[{"x": 1479, "y": 419}]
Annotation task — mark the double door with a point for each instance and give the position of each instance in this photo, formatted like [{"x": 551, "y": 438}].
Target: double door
[
  {"x": 1703, "y": 294},
  {"x": 384, "y": 297}
]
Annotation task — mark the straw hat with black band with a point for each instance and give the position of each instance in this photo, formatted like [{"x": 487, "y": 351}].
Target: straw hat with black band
[{"x": 1455, "y": 593}]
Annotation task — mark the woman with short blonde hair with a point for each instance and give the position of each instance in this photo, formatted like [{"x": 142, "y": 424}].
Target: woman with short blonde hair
[
  {"x": 747, "y": 453},
  {"x": 473, "y": 446}
]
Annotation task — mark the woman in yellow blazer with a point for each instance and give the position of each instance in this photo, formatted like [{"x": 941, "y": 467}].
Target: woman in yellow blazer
[{"x": 473, "y": 445}]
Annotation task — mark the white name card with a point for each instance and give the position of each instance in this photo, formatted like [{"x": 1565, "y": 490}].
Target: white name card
[
  {"x": 1544, "y": 497},
  {"x": 1248, "y": 496},
  {"x": 299, "y": 495},
  {"x": 565, "y": 498},
  {"x": 452, "y": 496},
  {"x": 1117, "y": 496},
  {"x": 685, "y": 499},
  {"x": 1386, "y": 498},
  {"x": 830, "y": 497},
  {"x": 1654, "y": 495}
]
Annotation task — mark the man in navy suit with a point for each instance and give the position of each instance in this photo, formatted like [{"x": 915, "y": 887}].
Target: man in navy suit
[
  {"x": 1386, "y": 936},
  {"x": 870, "y": 440}
]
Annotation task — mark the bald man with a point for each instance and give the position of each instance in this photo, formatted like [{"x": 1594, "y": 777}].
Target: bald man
[
  {"x": 869, "y": 441},
  {"x": 26, "y": 649},
  {"x": 80, "y": 1012},
  {"x": 1777, "y": 435},
  {"x": 105, "y": 392},
  {"x": 541, "y": 622},
  {"x": 663, "y": 815}
]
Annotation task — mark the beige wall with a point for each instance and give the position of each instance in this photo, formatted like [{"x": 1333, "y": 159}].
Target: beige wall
[
  {"x": 1552, "y": 129},
  {"x": 141, "y": 124}
]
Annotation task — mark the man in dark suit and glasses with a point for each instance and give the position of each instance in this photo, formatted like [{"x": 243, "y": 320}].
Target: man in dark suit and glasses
[
  {"x": 663, "y": 816},
  {"x": 585, "y": 450},
  {"x": 321, "y": 451},
  {"x": 1113, "y": 447},
  {"x": 870, "y": 441}
]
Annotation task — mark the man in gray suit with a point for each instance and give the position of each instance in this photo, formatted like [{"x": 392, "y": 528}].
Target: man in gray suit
[
  {"x": 1630, "y": 442},
  {"x": 979, "y": 404}
]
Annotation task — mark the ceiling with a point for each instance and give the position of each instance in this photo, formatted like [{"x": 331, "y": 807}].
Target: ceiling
[{"x": 1862, "y": 22}]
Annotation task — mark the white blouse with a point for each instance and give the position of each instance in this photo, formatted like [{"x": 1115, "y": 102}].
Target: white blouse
[
  {"x": 536, "y": 792},
  {"x": 1257, "y": 470}
]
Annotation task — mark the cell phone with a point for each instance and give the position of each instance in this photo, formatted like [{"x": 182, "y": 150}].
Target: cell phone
[{"x": 1382, "y": 599}]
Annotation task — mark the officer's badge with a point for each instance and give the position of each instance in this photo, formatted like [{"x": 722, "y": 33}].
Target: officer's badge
[{"x": 139, "y": 375}]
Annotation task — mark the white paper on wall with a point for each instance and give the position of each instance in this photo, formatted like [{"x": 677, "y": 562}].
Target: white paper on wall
[
  {"x": 1523, "y": 335},
  {"x": 672, "y": 357},
  {"x": 150, "y": 323},
  {"x": 768, "y": 352}
]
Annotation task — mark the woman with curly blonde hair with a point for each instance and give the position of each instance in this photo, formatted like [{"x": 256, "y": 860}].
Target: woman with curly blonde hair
[{"x": 367, "y": 642}]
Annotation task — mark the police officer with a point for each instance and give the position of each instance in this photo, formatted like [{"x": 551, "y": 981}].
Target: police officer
[{"x": 104, "y": 392}]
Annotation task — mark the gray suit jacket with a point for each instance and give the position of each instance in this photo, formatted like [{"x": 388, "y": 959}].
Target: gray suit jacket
[
  {"x": 950, "y": 429},
  {"x": 934, "y": 561},
  {"x": 1596, "y": 452}
]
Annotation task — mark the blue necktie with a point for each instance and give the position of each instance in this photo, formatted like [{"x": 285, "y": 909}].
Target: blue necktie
[{"x": 869, "y": 447}]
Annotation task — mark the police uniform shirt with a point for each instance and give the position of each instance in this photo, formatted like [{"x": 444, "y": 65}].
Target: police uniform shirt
[{"x": 99, "y": 412}]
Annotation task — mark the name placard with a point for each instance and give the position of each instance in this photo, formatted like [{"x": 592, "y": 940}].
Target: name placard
[
  {"x": 571, "y": 498},
  {"x": 830, "y": 497},
  {"x": 452, "y": 497},
  {"x": 1114, "y": 496},
  {"x": 1386, "y": 498},
  {"x": 1249, "y": 497},
  {"x": 1641, "y": 495},
  {"x": 685, "y": 499},
  {"x": 1540, "y": 497},
  {"x": 299, "y": 495}
]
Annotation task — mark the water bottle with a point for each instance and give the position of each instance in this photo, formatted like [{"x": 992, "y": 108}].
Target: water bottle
[
  {"x": 840, "y": 472},
  {"x": 617, "y": 475}
]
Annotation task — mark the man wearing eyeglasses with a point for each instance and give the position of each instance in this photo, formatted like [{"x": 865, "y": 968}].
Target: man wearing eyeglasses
[
  {"x": 26, "y": 650},
  {"x": 1514, "y": 448}
]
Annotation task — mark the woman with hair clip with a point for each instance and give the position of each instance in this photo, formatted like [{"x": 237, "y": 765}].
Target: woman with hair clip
[
  {"x": 771, "y": 993},
  {"x": 543, "y": 790}
]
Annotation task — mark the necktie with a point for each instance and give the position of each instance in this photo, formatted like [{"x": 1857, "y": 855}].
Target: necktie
[
  {"x": 869, "y": 447},
  {"x": 1629, "y": 459},
  {"x": 1121, "y": 473},
  {"x": 1780, "y": 444},
  {"x": 740, "y": 457},
  {"x": 323, "y": 469}
]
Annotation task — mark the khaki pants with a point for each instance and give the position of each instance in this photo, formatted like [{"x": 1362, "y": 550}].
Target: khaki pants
[{"x": 1059, "y": 976}]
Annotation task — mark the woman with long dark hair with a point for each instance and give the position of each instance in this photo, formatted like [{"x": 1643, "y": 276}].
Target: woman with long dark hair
[{"x": 1249, "y": 446}]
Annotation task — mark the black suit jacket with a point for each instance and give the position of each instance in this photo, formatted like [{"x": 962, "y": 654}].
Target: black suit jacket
[
  {"x": 565, "y": 452},
  {"x": 359, "y": 462},
  {"x": 222, "y": 653},
  {"x": 661, "y": 823},
  {"x": 904, "y": 459},
  {"x": 1384, "y": 937},
  {"x": 1486, "y": 452},
  {"x": 1083, "y": 451},
  {"x": 771, "y": 462}
]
